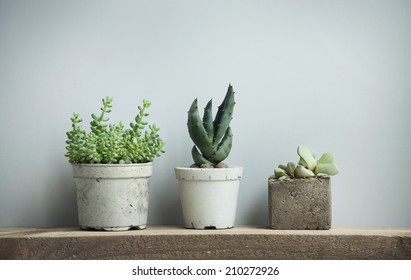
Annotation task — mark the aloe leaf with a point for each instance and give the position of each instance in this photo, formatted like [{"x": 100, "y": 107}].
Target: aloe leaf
[
  {"x": 224, "y": 148},
  {"x": 198, "y": 158},
  {"x": 208, "y": 119},
  {"x": 224, "y": 115},
  {"x": 197, "y": 131}
]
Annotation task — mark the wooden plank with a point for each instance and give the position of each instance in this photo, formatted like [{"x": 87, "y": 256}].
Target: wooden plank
[{"x": 168, "y": 242}]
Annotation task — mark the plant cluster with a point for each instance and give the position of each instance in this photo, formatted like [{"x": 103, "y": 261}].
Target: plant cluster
[
  {"x": 307, "y": 166},
  {"x": 112, "y": 143},
  {"x": 212, "y": 138}
]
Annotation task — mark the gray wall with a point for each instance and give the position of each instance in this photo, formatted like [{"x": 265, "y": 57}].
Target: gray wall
[{"x": 334, "y": 75}]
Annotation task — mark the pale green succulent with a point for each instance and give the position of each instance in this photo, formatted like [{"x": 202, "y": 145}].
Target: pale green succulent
[
  {"x": 113, "y": 143},
  {"x": 307, "y": 166}
]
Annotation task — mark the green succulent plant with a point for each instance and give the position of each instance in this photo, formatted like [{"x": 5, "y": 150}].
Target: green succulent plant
[
  {"x": 307, "y": 166},
  {"x": 112, "y": 143},
  {"x": 212, "y": 138}
]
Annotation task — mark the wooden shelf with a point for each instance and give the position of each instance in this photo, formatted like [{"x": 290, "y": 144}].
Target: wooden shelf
[{"x": 170, "y": 242}]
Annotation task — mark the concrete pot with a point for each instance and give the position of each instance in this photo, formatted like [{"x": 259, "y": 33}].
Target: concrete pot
[
  {"x": 112, "y": 197},
  {"x": 300, "y": 203},
  {"x": 209, "y": 196}
]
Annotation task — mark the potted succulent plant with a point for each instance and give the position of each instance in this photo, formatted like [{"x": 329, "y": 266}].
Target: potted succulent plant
[
  {"x": 209, "y": 188},
  {"x": 111, "y": 168},
  {"x": 300, "y": 195}
]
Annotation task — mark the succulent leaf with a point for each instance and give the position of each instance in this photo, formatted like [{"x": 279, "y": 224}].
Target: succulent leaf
[
  {"x": 290, "y": 169},
  {"x": 302, "y": 162},
  {"x": 278, "y": 173},
  {"x": 283, "y": 167},
  {"x": 224, "y": 147},
  {"x": 308, "y": 166},
  {"x": 302, "y": 172},
  {"x": 197, "y": 131},
  {"x": 305, "y": 153},
  {"x": 208, "y": 119},
  {"x": 326, "y": 158},
  {"x": 198, "y": 158},
  {"x": 327, "y": 168},
  {"x": 224, "y": 115},
  {"x": 212, "y": 138}
]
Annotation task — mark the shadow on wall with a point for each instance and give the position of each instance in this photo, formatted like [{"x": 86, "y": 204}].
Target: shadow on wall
[
  {"x": 61, "y": 205},
  {"x": 164, "y": 205},
  {"x": 257, "y": 214},
  {"x": 53, "y": 206}
]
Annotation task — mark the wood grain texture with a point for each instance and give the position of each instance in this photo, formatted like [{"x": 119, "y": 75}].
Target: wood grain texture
[{"x": 168, "y": 242}]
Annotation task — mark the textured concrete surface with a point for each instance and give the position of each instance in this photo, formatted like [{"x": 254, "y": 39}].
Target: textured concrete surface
[
  {"x": 299, "y": 203},
  {"x": 179, "y": 243}
]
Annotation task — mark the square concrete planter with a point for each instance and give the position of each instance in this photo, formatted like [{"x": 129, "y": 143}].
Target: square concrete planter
[{"x": 300, "y": 204}]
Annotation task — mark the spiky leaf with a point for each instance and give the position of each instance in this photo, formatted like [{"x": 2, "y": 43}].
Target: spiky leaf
[
  {"x": 198, "y": 158},
  {"x": 197, "y": 131},
  {"x": 224, "y": 115},
  {"x": 208, "y": 119},
  {"x": 224, "y": 147}
]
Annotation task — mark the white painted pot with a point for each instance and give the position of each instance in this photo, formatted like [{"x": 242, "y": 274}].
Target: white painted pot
[
  {"x": 112, "y": 197},
  {"x": 209, "y": 196}
]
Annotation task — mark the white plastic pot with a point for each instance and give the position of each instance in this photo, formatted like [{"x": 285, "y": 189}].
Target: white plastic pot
[
  {"x": 209, "y": 196},
  {"x": 112, "y": 197}
]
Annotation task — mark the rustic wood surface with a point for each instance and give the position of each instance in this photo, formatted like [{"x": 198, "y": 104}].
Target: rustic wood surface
[{"x": 169, "y": 242}]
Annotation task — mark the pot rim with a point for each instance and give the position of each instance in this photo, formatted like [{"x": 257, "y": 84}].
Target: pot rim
[
  {"x": 208, "y": 174},
  {"x": 112, "y": 164},
  {"x": 113, "y": 171},
  {"x": 319, "y": 177}
]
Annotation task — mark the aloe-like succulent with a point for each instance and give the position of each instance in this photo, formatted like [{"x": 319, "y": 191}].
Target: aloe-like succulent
[
  {"x": 212, "y": 138},
  {"x": 307, "y": 166}
]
